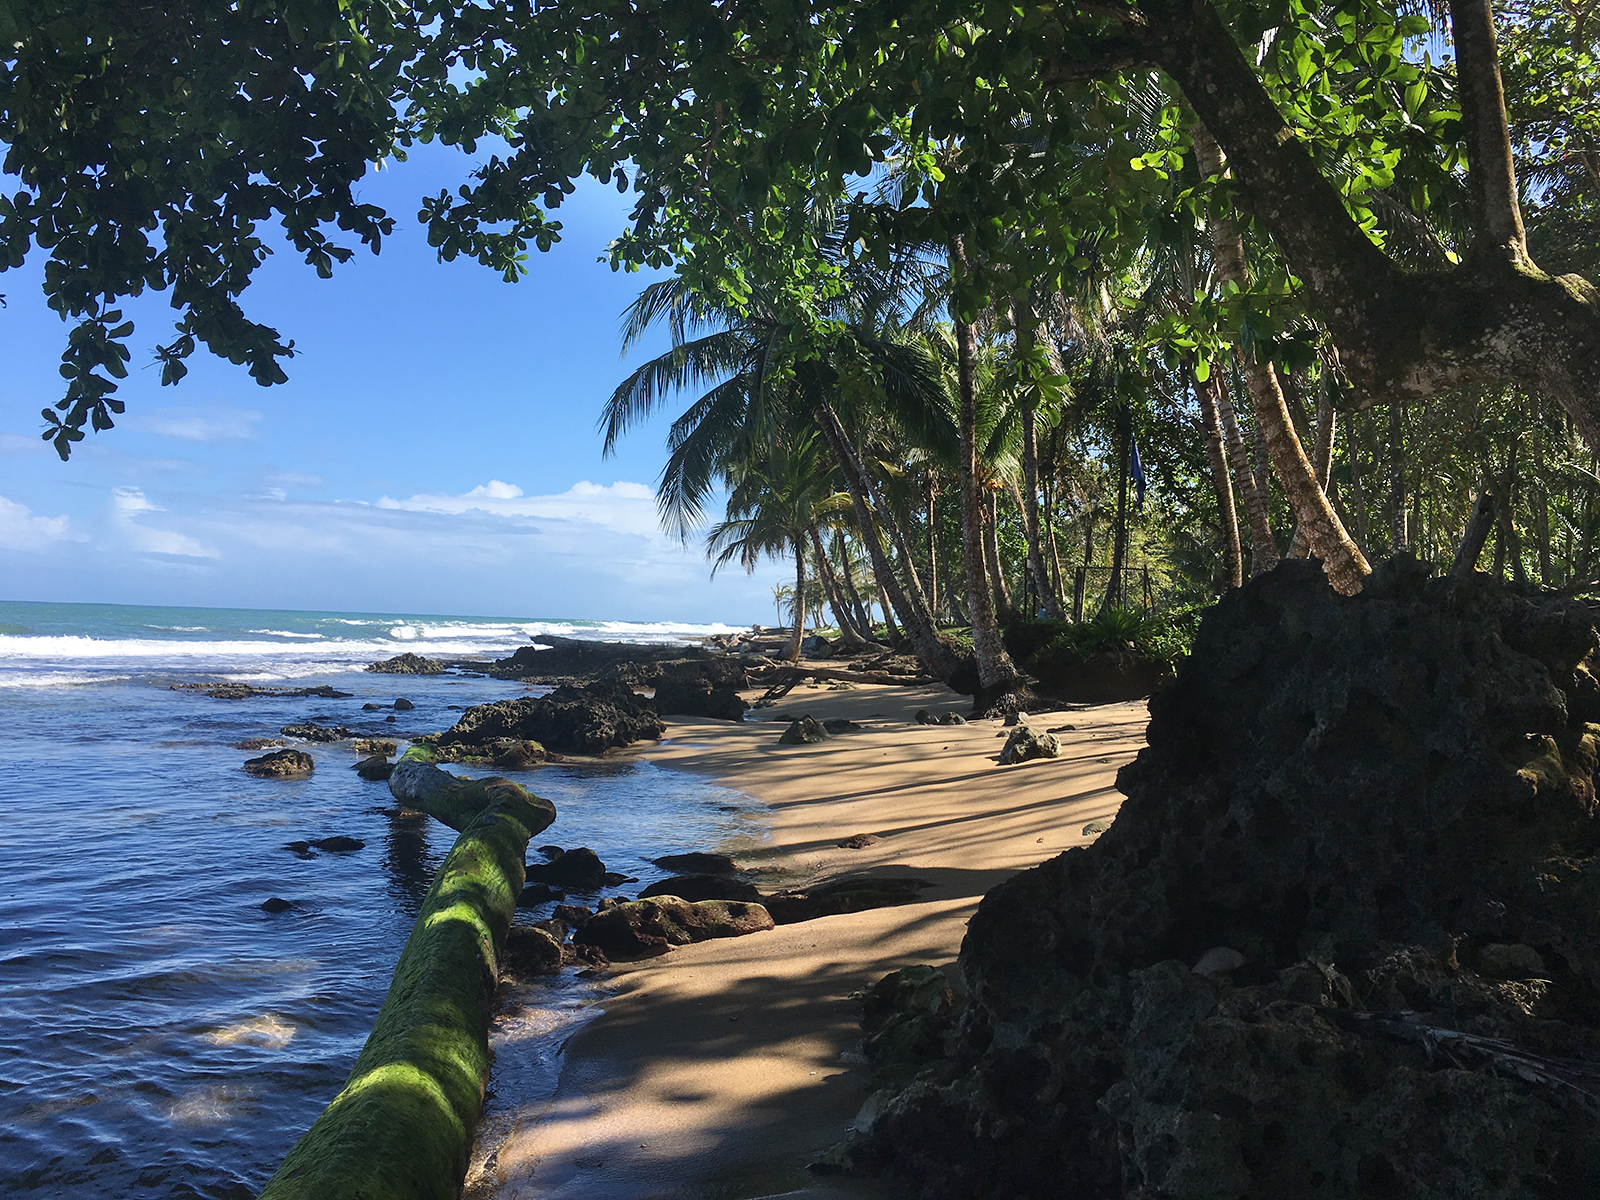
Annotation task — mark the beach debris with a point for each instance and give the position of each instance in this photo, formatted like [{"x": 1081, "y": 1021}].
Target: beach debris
[
  {"x": 339, "y": 844},
  {"x": 803, "y": 731},
  {"x": 310, "y": 731},
  {"x": 579, "y": 869},
  {"x": 407, "y": 664},
  {"x": 588, "y": 720},
  {"x": 848, "y": 895},
  {"x": 858, "y": 842},
  {"x": 258, "y": 743},
  {"x": 697, "y": 863},
  {"x": 702, "y": 887},
  {"x": 370, "y": 746},
  {"x": 401, "y": 704},
  {"x": 642, "y": 928},
  {"x": 1097, "y": 826},
  {"x": 838, "y": 725},
  {"x": 906, "y": 1016},
  {"x": 276, "y": 904},
  {"x": 281, "y": 764},
  {"x": 1027, "y": 743}
]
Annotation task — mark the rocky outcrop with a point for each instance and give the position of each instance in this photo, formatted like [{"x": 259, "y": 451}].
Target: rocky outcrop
[
  {"x": 1295, "y": 963},
  {"x": 408, "y": 664},
  {"x": 560, "y": 659},
  {"x": 579, "y": 869},
  {"x": 282, "y": 764},
  {"x": 248, "y": 691},
  {"x": 587, "y": 720},
  {"x": 855, "y": 894},
  {"x": 642, "y": 928}
]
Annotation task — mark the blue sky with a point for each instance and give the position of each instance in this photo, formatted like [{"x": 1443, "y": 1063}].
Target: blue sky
[{"x": 434, "y": 449}]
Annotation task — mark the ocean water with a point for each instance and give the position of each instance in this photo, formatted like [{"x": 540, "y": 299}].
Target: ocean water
[{"x": 161, "y": 1035}]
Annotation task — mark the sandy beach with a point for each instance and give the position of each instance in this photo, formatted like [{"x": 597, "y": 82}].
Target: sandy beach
[{"x": 717, "y": 1071}]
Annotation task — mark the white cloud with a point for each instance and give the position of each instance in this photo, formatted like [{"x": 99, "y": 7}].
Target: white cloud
[
  {"x": 623, "y": 507},
  {"x": 21, "y": 443},
  {"x": 21, "y": 530},
  {"x": 214, "y": 423},
  {"x": 128, "y": 503}
]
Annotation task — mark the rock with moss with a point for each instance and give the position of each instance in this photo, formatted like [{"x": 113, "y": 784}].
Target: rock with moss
[{"x": 402, "y": 1126}]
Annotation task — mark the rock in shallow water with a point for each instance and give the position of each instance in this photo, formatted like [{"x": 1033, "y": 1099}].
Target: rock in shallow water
[
  {"x": 586, "y": 720},
  {"x": 702, "y": 887},
  {"x": 407, "y": 664},
  {"x": 282, "y": 764},
  {"x": 579, "y": 869},
  {"x": 697, "y": 863},
  {"x": 1373, "y": 802}
]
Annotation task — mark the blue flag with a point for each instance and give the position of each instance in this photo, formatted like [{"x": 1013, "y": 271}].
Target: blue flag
[{"x": 1136, "y": 469}]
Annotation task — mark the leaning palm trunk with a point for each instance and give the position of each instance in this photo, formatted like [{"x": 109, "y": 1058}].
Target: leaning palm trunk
[
  {"x": 852, "y": 594},
  {"x": 791, "y": 652},
  {"x": 1322, "y": 460},
  {"x": 937, "y": 655},
  {"x": 1004, "y": 609},
  {"x": 994, "y": 664},
  {"x": 1263, "y": 550},
  {"x": 1227, "y": 514},
  {"x": 1343, "y": 562}
]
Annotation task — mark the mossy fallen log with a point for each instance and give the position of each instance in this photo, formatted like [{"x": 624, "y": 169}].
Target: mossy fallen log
[{"x": 402, "y": 1127}]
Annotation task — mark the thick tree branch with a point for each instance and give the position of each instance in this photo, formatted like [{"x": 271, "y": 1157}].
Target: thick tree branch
[{"x": 1107, "y": 56}]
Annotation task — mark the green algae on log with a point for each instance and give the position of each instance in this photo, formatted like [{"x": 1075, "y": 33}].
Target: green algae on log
[{"x": 402, "y": 1127}]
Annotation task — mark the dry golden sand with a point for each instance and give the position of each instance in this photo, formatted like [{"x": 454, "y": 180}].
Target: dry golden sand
[{"x": 715, "y": 1071}]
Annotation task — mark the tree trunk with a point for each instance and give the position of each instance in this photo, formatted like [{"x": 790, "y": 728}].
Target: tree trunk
[
  {"x": 1263, "y": 549},
  {"x": 1477, "y": 531},
  {"x": 1399, "y": 535},
  {"x": 937, "y": 655},
  {"x": 1054, "y": 546},
  {"x": 792, "y": 650},
  {"x": 1119, "y": 534},
  {"x": 994, "y": 664},
  {"x": 1003, "y": 608},
  {"x": 1541, "y": 510},
  {"x": 1508, "y": 538},
  {"x": 1227, "y": 513},
  {"x": 1322, "y": 460},
  {"x": 1353, "y": 442},
  {"x": 933, "y": 548},
  {"x": 1028, "y": 328},
  {"x": 1345, "y": 565},
  {"x": 849, "y": 636},
  {"x": 862, "y": 611}
]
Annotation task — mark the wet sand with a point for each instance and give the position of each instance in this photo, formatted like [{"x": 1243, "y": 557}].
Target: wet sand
[{"x": 715, "y": 1071}]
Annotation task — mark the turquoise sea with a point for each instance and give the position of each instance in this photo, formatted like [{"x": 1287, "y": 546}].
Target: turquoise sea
[{"x": 162, "y": 1034}]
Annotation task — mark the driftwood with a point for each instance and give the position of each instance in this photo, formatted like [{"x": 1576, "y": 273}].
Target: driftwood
[{"x": 788, "y": 677}]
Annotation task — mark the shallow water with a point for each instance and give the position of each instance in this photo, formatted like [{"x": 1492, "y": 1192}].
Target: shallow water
[{"x": 163, "y": 1036}]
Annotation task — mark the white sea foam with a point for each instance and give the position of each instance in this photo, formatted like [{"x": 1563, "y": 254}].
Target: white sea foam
[
  {"x": 54, "y": 679},
  {"x": 285, "y": 633}
]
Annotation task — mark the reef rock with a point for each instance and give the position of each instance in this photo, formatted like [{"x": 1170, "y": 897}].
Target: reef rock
[
  {"x": 282, "y": 764},
  {"x": 696, "y": 696},
  {"x": 1026, "y": 743},
  {"x": 312, "y": 732},
  {"x": 702, "y": 887},
  {"x": 1368, "y": 818},
  {"x": 407, "y": 664},
  {"x": 803, "y": 731},
  {"x": 587, "y": 720},
  {"x": 579, "y": 869}
]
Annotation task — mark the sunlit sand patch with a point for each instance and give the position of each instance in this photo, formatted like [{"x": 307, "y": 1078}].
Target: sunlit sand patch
[{"x": 268, "y": 1030}]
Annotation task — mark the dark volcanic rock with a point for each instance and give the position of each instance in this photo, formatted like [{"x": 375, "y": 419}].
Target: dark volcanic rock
[
  {"x": 1280, "y": 971},
  {"x": 312, "y": 732},
  {"x": 408, "y": 664},
  {"x": 1103, "y": 678},
  {"x": 837, "y": 725},
  {"x": 842, "y": 896},
  {"x": 924, "y": 717},
  {"x": 579, "y": 869},
  {"x": 276, "y": 904},
  {"x": 339, "y": 844},
  {"x": 584, "y": 720},
  {"x": 368, "y": 746},
  {"x": 374, "y": 769},
  {"x": 804, "y": 731},
  {"x": 816, "y": 646},
  {"x": 246, "y": 691},
  {"x": 697, "y": 862},
  {"x": 641, "y": 928},
  {"x": 258, "y": 743},
  {"x": 1026, "y": 743},
  {"x": 538, "y": 893},
  {"x": 703, "y": 887},
  {"x": 532, "y": 950},
  {"x": 906, "y": 1016},
  {"x": 401, "y": 704},
  {"x": 623, "y": 662},
  {"x": 696, "y": 697},
  {"x": 282, "y": 764}
]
